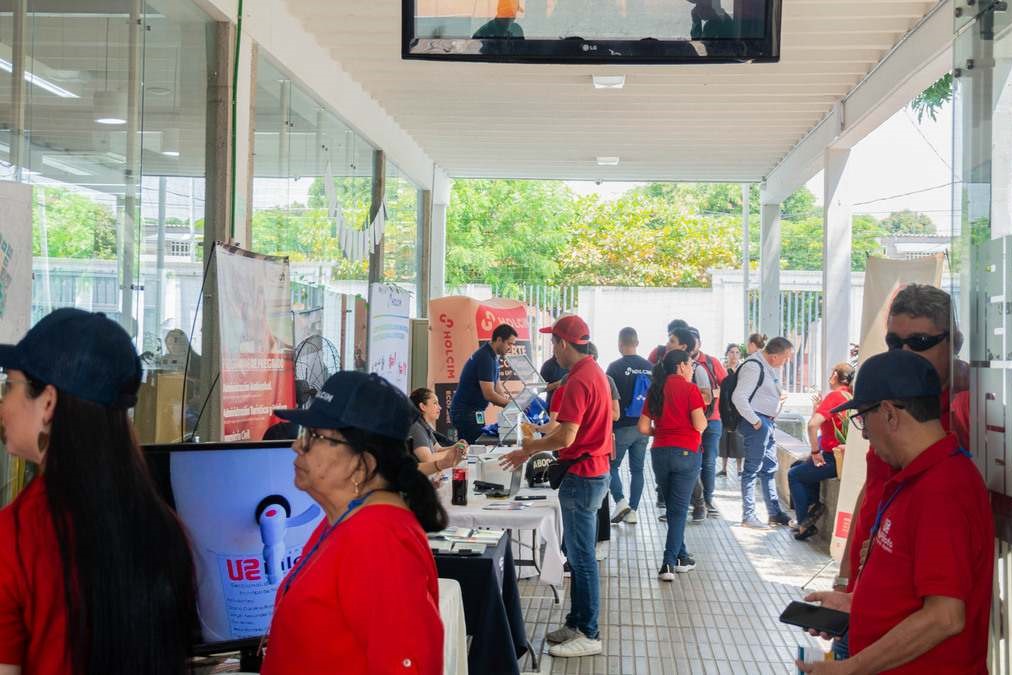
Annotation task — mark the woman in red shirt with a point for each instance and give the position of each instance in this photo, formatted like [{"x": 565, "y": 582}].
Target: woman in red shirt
[
  {"x": 674, "y": 415},
  {"x": 825, "y": 434},
  {"x": 95, "y": 570},
  {"x": 363, "y": 597}
]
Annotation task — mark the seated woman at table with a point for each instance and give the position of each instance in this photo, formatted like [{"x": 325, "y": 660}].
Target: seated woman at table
[
  {"x": 364, "y": 596},
  {"x": 674, "y": 416},
  {"x": 433, "y": 457}
]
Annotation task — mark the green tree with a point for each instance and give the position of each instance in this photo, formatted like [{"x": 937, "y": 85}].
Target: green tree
[
  {"x": 76, "y": 226},
  {"x": 930, "y": 101},
  {"x": 908, "y": 222}
]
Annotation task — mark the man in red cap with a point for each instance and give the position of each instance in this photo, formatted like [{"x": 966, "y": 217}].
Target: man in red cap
[{"x": 583, "y": 439}]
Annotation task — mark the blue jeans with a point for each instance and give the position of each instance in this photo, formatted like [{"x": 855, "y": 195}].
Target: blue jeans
[
  {"x": 677, "y": 470},
  {"x": 841, "y": 647},
  {"x": 580, "y": 498},
  {"x": 631, "y": 440},
  {"x": 805, "y": 479},
  {"x": 760, "y": 462},
  {"x": 708, "y": 472}
]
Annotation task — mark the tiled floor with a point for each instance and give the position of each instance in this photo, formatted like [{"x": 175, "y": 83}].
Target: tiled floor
[{"x": 719, "y": 618}]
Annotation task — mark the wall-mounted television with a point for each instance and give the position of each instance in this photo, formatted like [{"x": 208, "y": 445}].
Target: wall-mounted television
[{"x": 592, "y": 31}]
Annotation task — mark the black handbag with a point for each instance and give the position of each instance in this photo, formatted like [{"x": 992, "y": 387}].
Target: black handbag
[{"x": 558, "y": 470}]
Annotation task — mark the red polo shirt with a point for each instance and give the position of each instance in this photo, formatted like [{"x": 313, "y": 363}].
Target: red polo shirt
[
  {"x": 673, "y": 429},
  {"x": 936, "y": 537},
  {"x": 833, "y": 423},
  {"x": 366, "y": 602},
  {"x": 586, "y": 401},
  {"x": 33, "y": 611},
  {"x": 878, "y": 472}
]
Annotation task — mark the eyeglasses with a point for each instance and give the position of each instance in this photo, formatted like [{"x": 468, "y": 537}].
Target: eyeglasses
[
  {"x": 858, "y": 417},
  {"x": 307, "y": 437},
  {"x": 6, "y": 384},
  {"x": 917, "y": 343}
]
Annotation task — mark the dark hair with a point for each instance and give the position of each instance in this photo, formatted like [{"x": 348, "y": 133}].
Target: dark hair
[
  {"x": 844, "y": 373},
  {"x": 592, "y": 350},
  {"x": 758, "y": 339},
  {"x": 128, "y": 575},
  {"x": 686, "y": 337},
  {"x": 421, "y": 395},
  {"x": 675, "y": 324},
  {"x": 503, "y": 332},
  {"x": 396, "y": 463},
  {"x": 665, "y": 367},
  {"x": 730, "y": 346},
  {"x": 628, "y": 336},
  {"x": 778, "y": 345},
  {"x": 922, "y": 408}
]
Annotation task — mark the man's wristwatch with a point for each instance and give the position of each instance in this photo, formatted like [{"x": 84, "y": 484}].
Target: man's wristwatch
[{"x": 840, "y": 581}]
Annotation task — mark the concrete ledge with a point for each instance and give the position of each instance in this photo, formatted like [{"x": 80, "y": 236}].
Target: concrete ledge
[{"x": 789, "y": 451}]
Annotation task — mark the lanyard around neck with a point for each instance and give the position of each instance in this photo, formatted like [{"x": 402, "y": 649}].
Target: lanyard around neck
[{"x": 303, "y": 560}]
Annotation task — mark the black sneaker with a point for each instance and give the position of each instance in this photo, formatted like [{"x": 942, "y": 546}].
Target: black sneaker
[
  {"x": 711, "y": 510},
  {"x": 698, "y": 513},
  {"x": 780, "y": 519},
  {"x": 807, "y": 533},
  {"x": 722, "y": 473},
  {"x": 667, "y": 573},
  {"x": 685, "y": 564}
]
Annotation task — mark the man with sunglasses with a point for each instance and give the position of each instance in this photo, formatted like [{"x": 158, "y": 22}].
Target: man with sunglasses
[
  {"x": 920, "y": 321},
  {"x": 922, "y": 597}
]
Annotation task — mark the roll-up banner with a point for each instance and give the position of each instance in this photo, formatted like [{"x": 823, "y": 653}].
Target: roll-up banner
[
  {"x": 257, "y": 336},
  {"x": 459, "y": 325},
  {"x": 15, "y": 261},
  {"x": 389, "y": 333},
  {"x": 883, "y": 278}
]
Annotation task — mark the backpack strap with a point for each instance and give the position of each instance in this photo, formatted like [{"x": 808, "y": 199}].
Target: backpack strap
[{"x": 762, "y": 376}]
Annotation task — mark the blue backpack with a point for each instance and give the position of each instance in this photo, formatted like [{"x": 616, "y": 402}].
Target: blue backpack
[{"x": 641, "y": 385}]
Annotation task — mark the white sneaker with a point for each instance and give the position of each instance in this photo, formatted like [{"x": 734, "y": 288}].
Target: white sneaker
[
  {"x": 581, "y": 645},
  {"x": 631, "y": 517},
  {"x": 600, "y": 550},
  {"x": 621, "y": 509}
]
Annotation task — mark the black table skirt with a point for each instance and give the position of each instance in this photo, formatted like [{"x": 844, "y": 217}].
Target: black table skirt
[{"x": 488, "y": 585}]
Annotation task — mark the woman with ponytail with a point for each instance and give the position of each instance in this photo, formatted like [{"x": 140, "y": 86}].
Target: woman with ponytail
[
  {"x": 363, "y": 596},
  {"x": 95, "y": 570},
  {"x": 675, "y": 416}
]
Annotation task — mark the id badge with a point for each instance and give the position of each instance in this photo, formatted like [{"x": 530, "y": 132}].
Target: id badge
[{"x": 479, "y": 417}]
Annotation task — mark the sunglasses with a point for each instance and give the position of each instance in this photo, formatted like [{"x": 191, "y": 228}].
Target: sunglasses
[
  {"x": 858, "y": 417},
  {"x": 916, "y": 343}
]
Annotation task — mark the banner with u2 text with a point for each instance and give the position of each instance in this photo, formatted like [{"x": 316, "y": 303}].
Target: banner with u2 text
[{"x": 257, "y": 335}]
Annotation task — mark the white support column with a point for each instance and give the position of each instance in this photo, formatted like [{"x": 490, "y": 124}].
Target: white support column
[
  {"x": 769, "y": 270},
  {"x": 442, "y": 185},
  {"x": 836, "y": 247},
  {"x": 245, "y": 117}
]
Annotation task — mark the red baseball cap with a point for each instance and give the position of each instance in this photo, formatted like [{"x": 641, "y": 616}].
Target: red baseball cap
[{"x": 571, "y": 328}]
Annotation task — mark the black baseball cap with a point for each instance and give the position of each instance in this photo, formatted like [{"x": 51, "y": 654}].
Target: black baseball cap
[
  {"x": 350, "y": 399},
  {"x": 84, "y": 354},
  {"x": 892, "y": 376}
]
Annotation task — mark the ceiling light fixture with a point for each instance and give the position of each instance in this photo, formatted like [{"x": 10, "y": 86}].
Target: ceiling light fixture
[
  {"x": 109, "y": 106},
  {"x": 608, "y": 81},
  {"x": 170, "y": 142},
  {"x": 40, "y": 82},
  {"x": 607, "y": 161}
]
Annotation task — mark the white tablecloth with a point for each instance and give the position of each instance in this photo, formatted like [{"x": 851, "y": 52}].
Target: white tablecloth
[
  {"x": 545, "y": 516},
  {"x": 451, "y": 609}
]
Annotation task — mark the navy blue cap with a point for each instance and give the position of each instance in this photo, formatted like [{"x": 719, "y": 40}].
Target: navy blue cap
[
  {"x": 351, "y": 399},
  {"x": 84, "y": 354},
  {"x": 893, "y": 376}
]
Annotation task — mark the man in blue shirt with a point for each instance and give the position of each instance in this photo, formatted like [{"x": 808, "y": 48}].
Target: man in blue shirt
[
  {"x": 479, "y": 384},
  {"x": 632, "y": 376}
]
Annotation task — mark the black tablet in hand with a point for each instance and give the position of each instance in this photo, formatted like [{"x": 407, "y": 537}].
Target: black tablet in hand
[{"x": 812, "y": 617}]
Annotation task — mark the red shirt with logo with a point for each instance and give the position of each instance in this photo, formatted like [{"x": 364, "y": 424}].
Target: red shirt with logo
[
  {"x": 673, "y": 429},
  {"x": 366, "y": 602},
  {"x": 833, "y": 423},
  {"x": 935, "y": 538},
  {"x": 716, "y": 372},
  {"x": 586, "y": 401},
  {"x": 33, "y": 611},
  {"x": 878, "y": 472}
]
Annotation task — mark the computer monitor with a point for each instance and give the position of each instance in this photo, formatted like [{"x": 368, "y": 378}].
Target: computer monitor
[{"x": 247, "y": 524}]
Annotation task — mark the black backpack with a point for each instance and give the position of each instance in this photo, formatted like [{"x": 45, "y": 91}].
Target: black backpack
[{"x": 729, "y": 414}]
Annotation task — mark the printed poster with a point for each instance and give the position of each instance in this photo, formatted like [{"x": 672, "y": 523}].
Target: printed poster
[
  {"x": 883, "y": 278},
  {"x": 257, "y": 338},
  {"x": 390, "y": 333},
  {"x": 15, "y": 261}
]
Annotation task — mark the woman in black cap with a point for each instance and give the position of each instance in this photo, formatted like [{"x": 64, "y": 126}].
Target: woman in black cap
[
  {"x": 95, "y": 570},
  {"x": 364, "y": 595}
]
